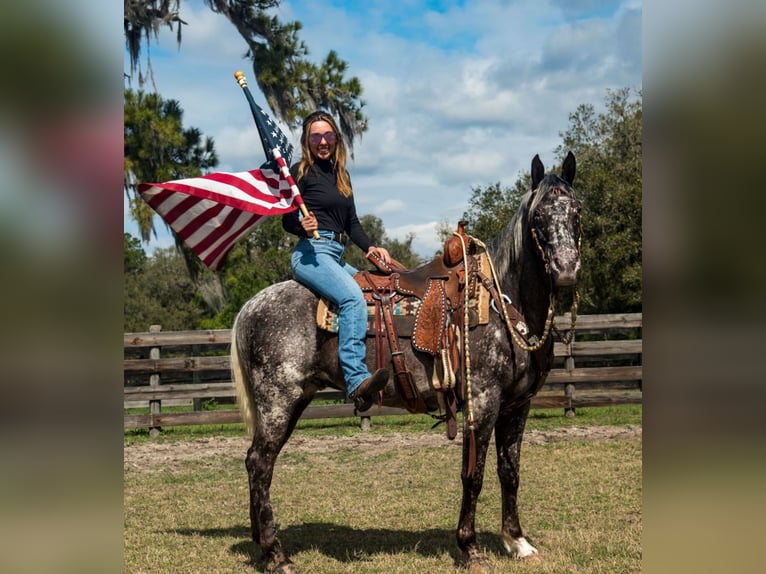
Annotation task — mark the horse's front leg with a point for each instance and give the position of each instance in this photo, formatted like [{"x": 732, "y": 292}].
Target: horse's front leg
[
  {"x": 509, "y": 432},
  {"x": 472, "y": 484}
]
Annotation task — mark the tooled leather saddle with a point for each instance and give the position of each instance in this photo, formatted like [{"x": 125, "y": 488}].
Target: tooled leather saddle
[{"x": 432, "y": 305}]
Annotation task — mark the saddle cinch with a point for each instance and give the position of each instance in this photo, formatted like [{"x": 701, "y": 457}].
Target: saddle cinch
[{"x": 430, "y": 305}]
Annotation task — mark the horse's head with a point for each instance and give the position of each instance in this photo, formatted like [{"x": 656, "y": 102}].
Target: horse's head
[{"x": 554, "y": 217}]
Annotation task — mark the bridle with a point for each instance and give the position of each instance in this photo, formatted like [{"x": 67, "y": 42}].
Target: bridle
[{"x": 549, "y": 325}]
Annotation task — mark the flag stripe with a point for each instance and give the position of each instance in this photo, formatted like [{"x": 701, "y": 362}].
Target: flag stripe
[
  {"x": 217, "y": 254},
  {"x": 201, "y": 221},
  {"x": 182, "y": 208},
  {"x": 154, "y": 196},
  {"x": 216, "y": 231},
  {"x": 254, "y": 189},
  {"x": 216, "y": 251}
]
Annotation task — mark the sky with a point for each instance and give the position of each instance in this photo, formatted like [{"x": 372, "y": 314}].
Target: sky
[{"x": 459, "y": 94}]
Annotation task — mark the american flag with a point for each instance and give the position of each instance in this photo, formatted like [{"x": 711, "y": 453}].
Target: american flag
[
  {"x": 272, "y": 138},
  {"x": 212, "y": 212}
]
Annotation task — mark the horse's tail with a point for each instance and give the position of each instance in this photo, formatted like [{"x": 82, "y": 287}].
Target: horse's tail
[{"x": 241, "y": 382}]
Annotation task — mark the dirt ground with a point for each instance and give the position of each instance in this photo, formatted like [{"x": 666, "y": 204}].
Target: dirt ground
[{"x": 156, "y": 456}]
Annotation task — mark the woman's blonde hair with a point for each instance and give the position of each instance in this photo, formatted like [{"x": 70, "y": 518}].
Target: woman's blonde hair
[{"x": 342, "y": 180}]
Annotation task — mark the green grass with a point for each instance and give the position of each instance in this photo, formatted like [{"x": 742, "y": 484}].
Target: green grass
[
  {"x": 539, "y": 419},
  {"x": 547, "y": 419},
  {"x": 389, "y": 509}
]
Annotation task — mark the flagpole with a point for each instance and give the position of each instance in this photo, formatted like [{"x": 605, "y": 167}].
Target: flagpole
[{"x": 284, "y": 169}]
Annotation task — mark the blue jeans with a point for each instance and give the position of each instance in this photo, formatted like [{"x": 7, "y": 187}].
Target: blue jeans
[{"x": 319, "y": 264}]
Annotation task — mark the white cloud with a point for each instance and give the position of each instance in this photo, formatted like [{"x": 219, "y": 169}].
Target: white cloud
[{"x": 390, "y": 206}]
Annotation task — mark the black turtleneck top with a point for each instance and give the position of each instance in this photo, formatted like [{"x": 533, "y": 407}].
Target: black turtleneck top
[{"x": 332, "y": 211}]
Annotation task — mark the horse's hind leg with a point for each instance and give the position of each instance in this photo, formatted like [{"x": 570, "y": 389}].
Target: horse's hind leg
[
  {"x": 271, "y": 433},
  {"x": 509, "y": 431}
]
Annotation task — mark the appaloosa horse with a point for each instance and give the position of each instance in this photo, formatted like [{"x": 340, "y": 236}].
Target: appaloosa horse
[{"x": 280, "y": 359}]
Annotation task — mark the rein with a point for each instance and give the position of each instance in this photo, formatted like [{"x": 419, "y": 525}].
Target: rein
[
  {"x": 470, "y": 421},
  {"x": 573, "y": 314}
]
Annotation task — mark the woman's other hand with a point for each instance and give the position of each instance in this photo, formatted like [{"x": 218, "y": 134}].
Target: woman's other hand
[{"x": 381, "y": 252}]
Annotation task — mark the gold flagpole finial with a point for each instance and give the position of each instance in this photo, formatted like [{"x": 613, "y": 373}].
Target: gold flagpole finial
[{"x": 239, "y": 75}]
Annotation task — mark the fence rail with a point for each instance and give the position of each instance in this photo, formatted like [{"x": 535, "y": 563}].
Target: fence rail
[{"x": 188, "y": 367}]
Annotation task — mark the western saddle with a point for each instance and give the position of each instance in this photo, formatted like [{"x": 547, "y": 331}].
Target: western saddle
[{"x": 433, "y": 304}]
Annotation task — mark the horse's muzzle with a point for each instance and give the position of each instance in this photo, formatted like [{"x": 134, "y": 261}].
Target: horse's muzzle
[{"x": 565, "y": 266}]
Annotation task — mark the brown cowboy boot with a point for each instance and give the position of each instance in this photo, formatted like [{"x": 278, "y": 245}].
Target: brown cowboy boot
[{"x": 364, "y": 395}]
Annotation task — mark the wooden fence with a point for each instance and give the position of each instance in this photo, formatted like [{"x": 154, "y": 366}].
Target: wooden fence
[{"x": 601, "y": 367}]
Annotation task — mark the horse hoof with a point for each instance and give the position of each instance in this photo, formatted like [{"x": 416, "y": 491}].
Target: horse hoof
[
  {"x": 519, "y": 548},
  {"x": 285, "y": 568}
]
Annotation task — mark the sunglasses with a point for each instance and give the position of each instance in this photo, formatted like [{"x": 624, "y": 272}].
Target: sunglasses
[{"x": 316, "y": 139}]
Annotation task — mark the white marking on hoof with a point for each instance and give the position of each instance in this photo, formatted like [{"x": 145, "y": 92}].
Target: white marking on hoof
[{"x": 518, "y": 547}]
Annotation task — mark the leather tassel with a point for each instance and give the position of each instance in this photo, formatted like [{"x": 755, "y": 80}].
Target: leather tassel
[{"x": 472, "y": 453}]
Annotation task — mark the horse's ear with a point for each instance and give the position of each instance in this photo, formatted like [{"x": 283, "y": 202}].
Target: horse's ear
[
  {"x": 538, "y": 171},
  {"x": 569, "y": 168}
]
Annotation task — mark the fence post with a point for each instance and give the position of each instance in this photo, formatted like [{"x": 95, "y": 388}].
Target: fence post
[
  {"x": 155, "y": 406},
  {"x": 569, "y": 388},
  {"x": 196, "y": 402}
]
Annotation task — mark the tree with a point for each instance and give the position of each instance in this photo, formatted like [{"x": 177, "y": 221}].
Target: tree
[
  {"x": 163, "y": 294},
  {"x": 133, "y": 255},
  {"x": 293, "y": 85},
  {"x": 609, "y": 180},
  {"x": 158, "y": 148}
]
